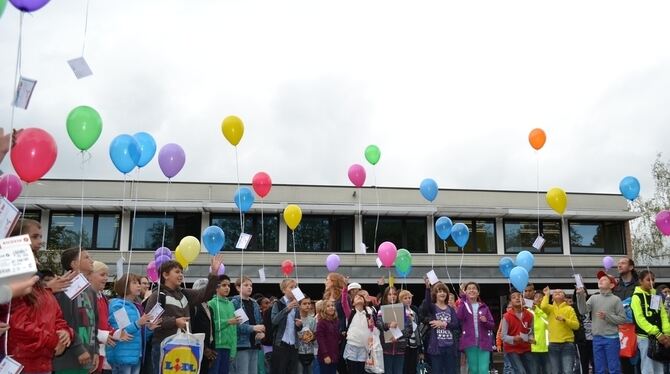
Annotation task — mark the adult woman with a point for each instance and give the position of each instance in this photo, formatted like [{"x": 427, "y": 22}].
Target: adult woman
[{"x": 651, "y": 320}]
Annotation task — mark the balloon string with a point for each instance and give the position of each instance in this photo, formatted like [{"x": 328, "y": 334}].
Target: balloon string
[
  {"x": 132, "y": 232},
  {"x": 83, "y": 44},
  {"x": 295, "y": 259},
  {"x": 446, "y": 267},
  {"x": 374, "y": 173},
  {"x": 239, "y": 205},
  {"x": 23, "y": 212},
  {"x": 460, "y": 267},
  {"x": 262, "y": 234},
  {"x": 537, "y": 158},
  {"x": 9, "y": 314},
  {"x": 167, "y": 200},
  {"x": 17, "y": 74},
  {"x": 81, "y": 212}
]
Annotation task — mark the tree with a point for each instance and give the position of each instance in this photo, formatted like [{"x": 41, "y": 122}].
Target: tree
[{"x": 649, "y": 246}]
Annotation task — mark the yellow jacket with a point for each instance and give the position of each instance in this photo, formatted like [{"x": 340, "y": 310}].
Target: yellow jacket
[{"x": 560, "y": 331}]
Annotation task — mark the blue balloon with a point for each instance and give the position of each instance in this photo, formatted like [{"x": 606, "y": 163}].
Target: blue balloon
[
  {"x": 147, "y": 148},
  {"x": 428, "y": 189},
  {"x": 124, "y": 152},
  {"x": 506, "y": 264},
  {"x": 460, "y": 234},
  {"x": 519, "y": 278},
  {"x": 526, "y": 260},
  {"x": 403, "y": 274},
  {"x": 630, "y": 188},
  {"x": 213, "y": 239},
  {"x": 244, "y": 199},
  {"x": 443, "y": 227}
]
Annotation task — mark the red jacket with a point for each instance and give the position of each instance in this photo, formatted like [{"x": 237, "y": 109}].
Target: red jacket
[
  {"x": 103, "y": 324},
  {"x": 516, "y": 326},
  {"x": 33, "y": 331}
]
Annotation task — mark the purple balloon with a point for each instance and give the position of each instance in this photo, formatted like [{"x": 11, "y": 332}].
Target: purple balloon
[
  {"x": 163, "y": 251},
  {"x": 333, "y": 262},
  {"x": 162, "y": 259},
  {"x": 171, "y": 159},
  {"x": 221, "y": 271},
  {"x": 663, "y": 222},
  {"x": 608, "y": 262},
  {"x": 28, "y": 5}
]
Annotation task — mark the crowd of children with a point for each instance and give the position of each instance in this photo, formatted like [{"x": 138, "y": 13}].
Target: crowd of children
[{"x": 345, "y": 331}]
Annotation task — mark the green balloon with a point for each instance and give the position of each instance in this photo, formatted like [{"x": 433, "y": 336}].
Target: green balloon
[
  {"x": 403, "y": 252},
  {"x": 84, "y": 126},
  {"x": 372, "y": 154},
  {"x": 403, "y": 261},
  {"x": 3, "y": 5}
]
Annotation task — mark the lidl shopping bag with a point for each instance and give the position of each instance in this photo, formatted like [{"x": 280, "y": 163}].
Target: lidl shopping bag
[
  {"x": 182, "y": 353},
  {"x": 628, "y": 340}
]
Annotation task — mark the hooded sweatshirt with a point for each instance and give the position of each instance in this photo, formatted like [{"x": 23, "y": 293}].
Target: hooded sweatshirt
[
  {"x": 648, "y": 321},
  {"x": 606, "y": 302},
  {"x": 225, "y": 334},
  {"x": 560, "y": 331},
  {"x": 540, "y": 328}
]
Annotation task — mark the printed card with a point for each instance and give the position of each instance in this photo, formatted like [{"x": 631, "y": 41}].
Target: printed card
[
  {"x": 432, "y": 277},
  {"x": 156, "y": 312},
  {"x": 379, "y": 262},
  {"x": 9, "y": 215},
  {"x": 9, "y": 366},
  {"x": 79, "y": 284},
  {"x": 243, "y": 241},
  {"x": 396, "y": 332},
  {"x": 538, "y": 243},
  {"x": 80, "y": 67},
  {"x": 16, "y": 259},
  {"x": 297, "y": 293},
  {"x": 24, "y": 91},
  {"x": 241, "y": 315},
  {"x": 655, "y": 302},
  {"x": 528, "y": 303},
  {"x": 119, "y": 267},
  {"x": 578, "y": 281},
  {"x": 261, "y": 274},
  {"x": 121, "y": 317}
]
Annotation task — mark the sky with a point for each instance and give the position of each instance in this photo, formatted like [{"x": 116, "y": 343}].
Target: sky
[{"x": 447, "y": 90}]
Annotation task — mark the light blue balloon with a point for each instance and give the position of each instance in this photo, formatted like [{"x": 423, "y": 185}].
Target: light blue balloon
[
  {"x": 630, "y": 188},
  {"x": 124, "y": 152},
  {"x": 428, "y": 189},
  {"x": 443, "y": 227},
  {"x": 213, "y": 239},
  {"x": 519, "y": 278},
  {"x": 147, "y": 148},
  {"x": 506, "y": 265},
  {"x": 526, "y": 260},
  {"x": 244, "y": 199},
  {"x": 460, "y": 234},
  {"x": 405, "y": 274}
]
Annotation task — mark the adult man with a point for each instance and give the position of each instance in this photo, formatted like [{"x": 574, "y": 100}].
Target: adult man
[{"x": 624, "y": 289}]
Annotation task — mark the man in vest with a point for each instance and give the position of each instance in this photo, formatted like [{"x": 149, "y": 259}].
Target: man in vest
[{"x": 517, "y": 334}]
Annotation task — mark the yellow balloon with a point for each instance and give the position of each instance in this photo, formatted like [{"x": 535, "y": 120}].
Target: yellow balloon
[
  {"x": 557, "y": 200},
  {"x": 179, "y": 257},
  {"x": 292, "y": 216},
  {"x": 189, "y": 247},
  {"x": 233, "y": 129}
]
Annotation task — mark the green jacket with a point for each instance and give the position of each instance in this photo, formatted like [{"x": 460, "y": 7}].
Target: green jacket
[
  {"x": 642, "y": 313},
  {"x": 225, "y": 335},
  {"x": 540, "y": 325}
]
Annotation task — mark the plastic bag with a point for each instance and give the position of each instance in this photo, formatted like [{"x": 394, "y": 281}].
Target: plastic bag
[
  {"x": 182, "y": 353},
  {"x": 375, "y": 362},
  {"x": 627, "y": 340}
]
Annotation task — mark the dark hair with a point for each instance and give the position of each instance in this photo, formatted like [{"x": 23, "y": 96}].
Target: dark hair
[
  {"x": 167, "y": 267},
  {"x": 223, "y": 277},
  {"x": 385, "y": 295},
  {"x": 47, "y": 273},
  {"x": 122, "y": 285},
  {"x": 469, "y": 283},
  {"x": 529, "y": 285},
  {"x": 644, "y": 274},
  {"x": 68, "y": 256},
  {"x": 632, "y": 264},
  {"x": 439, "y": 286}
]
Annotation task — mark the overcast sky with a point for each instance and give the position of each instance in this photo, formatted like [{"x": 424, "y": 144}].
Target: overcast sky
[{"x": 447, "y": 90}]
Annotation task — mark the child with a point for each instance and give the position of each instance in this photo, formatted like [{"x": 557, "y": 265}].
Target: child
[
  {"x": 306, "y": 340},
  {"x": 201, "y": 323},
  {"x": 477, "y": 325},
  {"x": 394, "y": 350},
  {"x": 562, "y": 322},
  {"x": 609, "y": 313},
  {"x": 517, "y": 334},
  {"x": 540, "y": 349},
  {"x": 249, "y": 333},
  {"x": 175, "y": 301},
  {"x": 98, "y": 279},
  {"x": 359, "y": 332},
  {"x": 81, "y": 357},
  {"x": 444, "y": 326},
  {"x": 328, "y": 338},
  {"x": 286, "y": 324},
  {"x": 125, "y": 356},
  {"x": 414, "y": 340},
  {"x": 651, "y": 319},
  {"x": 225, "y": 327}
]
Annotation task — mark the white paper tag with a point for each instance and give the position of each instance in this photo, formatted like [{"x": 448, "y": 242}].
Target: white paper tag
[
  {"x": 119, "y": 268},
  {"x": 241, "y": 315},
  {"x": 16, "y": 259},
  {"x": 363, "y": 247},
  {"x": 432, "y": 277},
  {"x": 9, "y": 366},
  {"x": 103, "y": 336},
  {"x": 117, "y": 334},
  {"x": 243, "y": 241},
  {"x": 9, "y": 215},
  {"x": 539, "y": 242},
  {"x": 80, "y": 67},
  {"x": 261, "y": 274},
  {"x": 396, "y": 332},
  {"x": 24, "y": 91},
  {"x": 655, "y": 302},
  {"x": 528, "y": 303},
  {"x": 297, "y": 293},
  {"x": 122, "y": 319},
  {"x": 156, "y": 312},
  {"x": 414, "y": 326},
  {"x": 79, "y": 284},
  {"x": 379, "y": 262},
  {"x": 578, "y": 281}
]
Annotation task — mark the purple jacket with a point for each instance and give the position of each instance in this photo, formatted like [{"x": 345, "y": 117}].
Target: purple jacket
[{"x": 486, "y": 334}]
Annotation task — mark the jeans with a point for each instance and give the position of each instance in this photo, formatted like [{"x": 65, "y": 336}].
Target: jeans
[
  {"x": 648, "y": 365},
  {"x": 246, "y": 362},
  {"x": 562, "y": 357},
  {"x": 606, "y": 355},
  {"x": 284, "y": 359},
  {"x": 126, "y": 369},
  {"x": 447, "y": 361},
  {"x": 539, "y": 363},
  {"x": 327, "y": 368},
  {"x": 478, "y": 360},
  {"x": 585, "y": 353},
  {"x": 305, "y": 363},
  {"x": 520, "y": 362},
  {"x": 156, "y": 358},
  {"x": 394, "y": 364},
  {"x": 222, "y": 363}
]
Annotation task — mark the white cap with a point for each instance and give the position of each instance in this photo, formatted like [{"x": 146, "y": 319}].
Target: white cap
[{"x": 353, "y": 286}]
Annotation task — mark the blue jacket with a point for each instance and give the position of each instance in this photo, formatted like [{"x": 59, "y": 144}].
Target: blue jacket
[
  {"x": 244, "y": 330},
  {"x": 130, "y": 352}
]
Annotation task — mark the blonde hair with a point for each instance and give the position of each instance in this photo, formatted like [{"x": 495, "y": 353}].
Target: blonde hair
[
  {"x": 404, "y": 293},
  {"x": 321, "y": 307},
  {"x": 99, "y": 266},
  {"x": 285, "y": 283}
]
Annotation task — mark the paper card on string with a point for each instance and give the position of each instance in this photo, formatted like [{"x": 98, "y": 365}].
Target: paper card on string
[
  {"x": 24, "y": 91},
  {"x": 10, "y": 366},
  {"x": 396, "y": 332},
  {"x": 379, "y": 262},
  {"x": 297, "y": 293},
  {"x": 103, "y": 336},
  {"x": 80, "y": 67},
  {"x": 261, "y": 274},
  {"x": 432, "y": 277},
  {"x": 655, "y": 303},
  {"x": 119, "y": 268},
  {"x": 241, "y": 315},
  {"x": 121, "y": 317},
  {"x": 156, "y": 312},
  {"x": 578, "y": 281},
  {"x": 79, "y": 284},
  {"x": 528, "y": 303},
  {"x": 363, "y": 247},
  {"x": 16, "y": 259},
  {"x": 538, "y": 243},
  {"x": 9, "y": 215},
  {"x": 243, "y": 241}
]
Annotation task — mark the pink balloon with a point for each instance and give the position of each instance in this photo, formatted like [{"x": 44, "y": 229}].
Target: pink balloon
[
  {"x": 608, "y": 262},
  {"x": 663, "y": 222},
  {"x": 387, "y": 253},
  {"x": 10, "y": 186},
  {"x": 221, "y": 271},
  {"x": 152, "y": 272},
  {"x": 357, "y": 175}
]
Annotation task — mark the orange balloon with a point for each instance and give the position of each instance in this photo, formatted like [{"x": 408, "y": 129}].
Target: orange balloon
[{"x": 537, "y": 138}]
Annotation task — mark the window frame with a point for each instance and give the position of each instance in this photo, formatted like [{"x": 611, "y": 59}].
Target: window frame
[
  {"x": 331, "y": 221},
  {"x": 439, "y": 246},
  {"x": 236, "y": 216},
  {"x": 604, "y": 225},
  {"x": 404, "y": 239},
  {"x": 530, "y": 245},
  {"x": 94, "y": 227}
]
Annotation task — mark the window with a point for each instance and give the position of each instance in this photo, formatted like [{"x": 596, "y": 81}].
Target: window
[
  {"x": 35, "y": 215},
  {"x": 230, "y": 224},
  {"x": 323, "y": 234},
  {"x": 520, "y": 236},
  {"x": 597, "y": 238},
  {"x": 147, "y": 229},
  {"x": 404, "y": 232},
  {"x": 98, "y": 230},
  {"x": 482, "y": 240}
]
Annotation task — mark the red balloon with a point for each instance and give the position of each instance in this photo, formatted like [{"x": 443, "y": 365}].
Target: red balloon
[
  {"x": 262, "y": 183},
  {"x": 34, "y": 154},
  {"x": 287, "y": 267}
]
